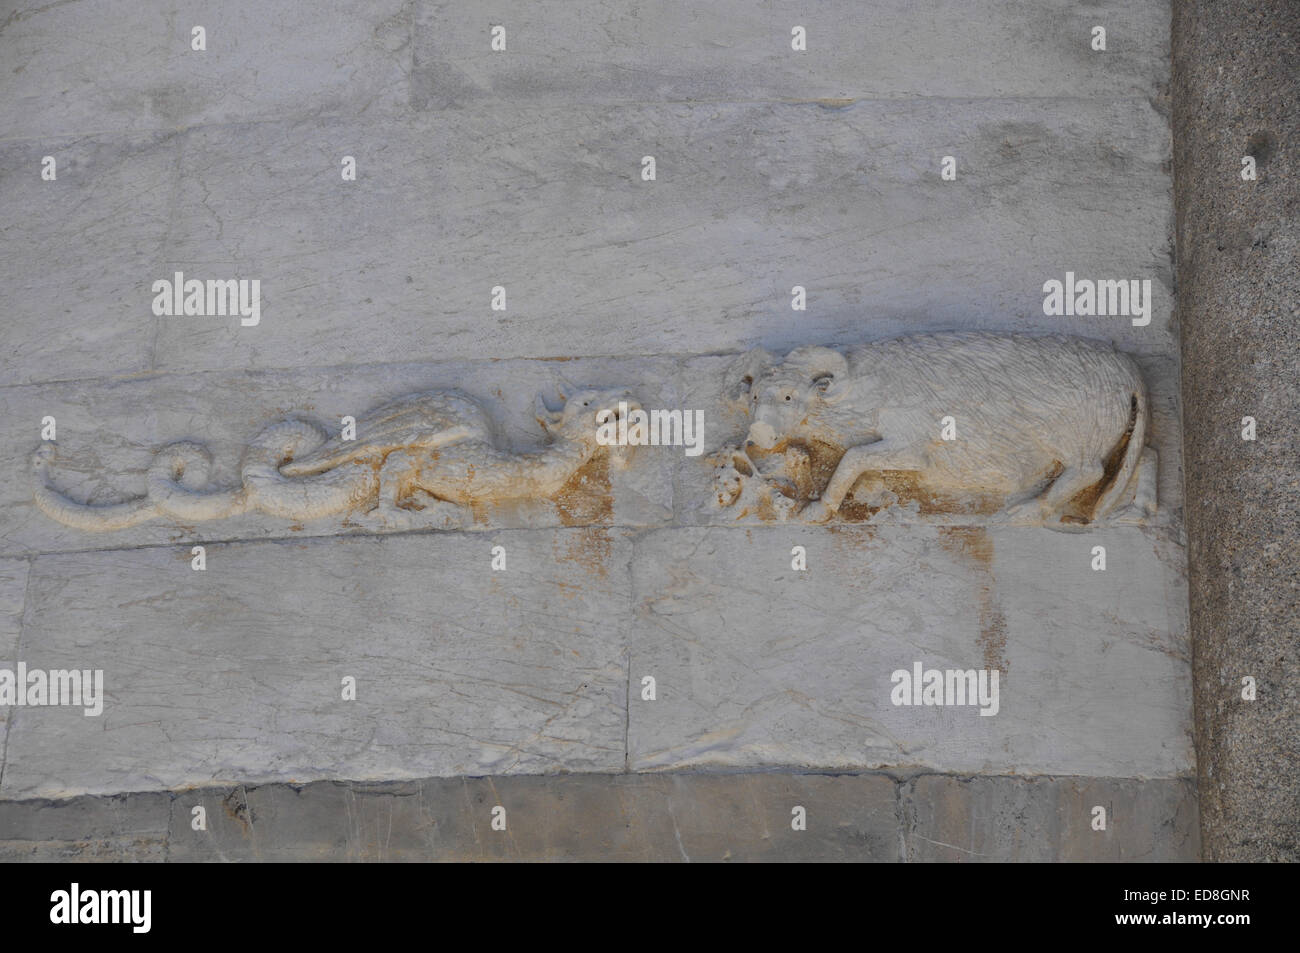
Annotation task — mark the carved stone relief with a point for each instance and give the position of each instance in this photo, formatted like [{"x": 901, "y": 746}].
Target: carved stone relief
[
  {"x": 1043, "y": 430},
  {"x": 424, "y": 460},
  {"x": 998, "y": 427}
]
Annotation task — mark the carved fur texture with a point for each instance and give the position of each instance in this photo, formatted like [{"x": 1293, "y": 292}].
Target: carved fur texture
[{"x": 1054, "y": 427}]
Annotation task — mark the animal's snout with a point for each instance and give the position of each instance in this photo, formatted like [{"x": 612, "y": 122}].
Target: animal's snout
[{"x": 762, "y": 435}]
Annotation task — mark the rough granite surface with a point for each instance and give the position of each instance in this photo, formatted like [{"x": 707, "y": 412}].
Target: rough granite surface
[{"x": 1236, "y": 93}]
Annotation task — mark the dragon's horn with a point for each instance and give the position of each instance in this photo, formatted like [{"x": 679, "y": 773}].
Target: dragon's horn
[{"x": 545, "y": 416}]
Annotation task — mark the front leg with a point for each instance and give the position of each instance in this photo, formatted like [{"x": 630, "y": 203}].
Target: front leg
[
  {"x": 395, "y": 479},
  {"x": 885, "y": 454}
]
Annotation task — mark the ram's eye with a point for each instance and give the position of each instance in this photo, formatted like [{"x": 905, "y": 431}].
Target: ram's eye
[{"x": 787, "y": 396}]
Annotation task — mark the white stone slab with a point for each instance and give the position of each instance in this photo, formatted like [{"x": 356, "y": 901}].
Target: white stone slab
[
  {"x": 13, "y": 586},
  {"x": 78, "y": 254},
  {"x": 758, "y": 665},
  {"x": 738, "y": 50},
  {"x": 234, "y": 673},
  {"x": 81, "y": 68},
  {"x": 748, "y": 202}
]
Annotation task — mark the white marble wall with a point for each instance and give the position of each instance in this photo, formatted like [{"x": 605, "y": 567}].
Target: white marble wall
[{"x": 522, "y": 169}]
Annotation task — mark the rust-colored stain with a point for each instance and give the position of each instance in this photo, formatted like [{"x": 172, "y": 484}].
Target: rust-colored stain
[
  {"x": 809, "y": 466},
  {"x": 1084, "y": 503},
  {"x": 975, "y": 545},
  {"x": 586, "y": 497},
  {"x": 569, "y": 590},
  {"x": 237, "y": 809},
  {"x": 585, "y": 500},
  {"x": 589, "y": 547},
  {"x": 905, "y": 485}
]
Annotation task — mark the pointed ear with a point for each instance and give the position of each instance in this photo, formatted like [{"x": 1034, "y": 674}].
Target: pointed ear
[
  {"x": 564, "y": 387},
  {"x": 744, "y": 370},
  {"x": 545, "y": 416}
]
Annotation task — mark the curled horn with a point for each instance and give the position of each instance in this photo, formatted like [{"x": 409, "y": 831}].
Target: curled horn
[
  {"x": 565, "y": 387},
  {"x": 825, "y": 368},
  {"x": 745, "y": 370},
  {"x": 545, "y": 416}
]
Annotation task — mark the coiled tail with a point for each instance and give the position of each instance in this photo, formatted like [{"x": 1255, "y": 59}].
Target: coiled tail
[
  {"x": 302, "y": 498},
  {"x": 176, "y": 486}
]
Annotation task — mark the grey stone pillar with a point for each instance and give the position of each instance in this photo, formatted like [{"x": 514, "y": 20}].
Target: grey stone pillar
[{"x": 1236, "y": 94}]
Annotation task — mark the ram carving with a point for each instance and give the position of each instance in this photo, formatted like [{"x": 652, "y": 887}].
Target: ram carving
[{"x": 1044, "y": 430}]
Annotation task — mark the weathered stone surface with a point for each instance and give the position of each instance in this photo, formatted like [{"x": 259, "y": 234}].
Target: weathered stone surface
[
  {"x": 757, "y": 664},
  {"x": 1237, "y": 94},
  {"x": 137, "y": 850},
  {"x": 140, "y": 815},
  {"x": 521, "y": 169},
  {"x": 997, "y": 819},
  {"x": 235, "y": 673},
  {"x": 656, "y": 818},
  {"x": 590, "y": 50},
  {"x": 80, "y": 253},
  {"x": 743, "y": 209},
  {"x": 748, "y": 201},
  {"x": 13, "y": 587},
  {"x": 576, "y": 818},
  {"x": 124, "y": 827},
  {"x": 264, "y": 58}
]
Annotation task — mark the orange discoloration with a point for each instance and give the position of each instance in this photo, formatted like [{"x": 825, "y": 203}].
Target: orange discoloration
[
  {"x": 974, "y": 544},
  {"x": 586, "y": 497}
]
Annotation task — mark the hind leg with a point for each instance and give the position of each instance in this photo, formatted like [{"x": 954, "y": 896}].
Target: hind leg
[
  {"x": 1050, "y": 505},
  {"x": 395, "y": 508}
]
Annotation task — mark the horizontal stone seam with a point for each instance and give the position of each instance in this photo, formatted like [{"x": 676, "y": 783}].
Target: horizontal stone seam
[
  {"x": 1169, "y": 534},
  {"x": 1157, "y": 352},
  {"x": 377, "y": 788},
  {"x": 398, "y": 111}
]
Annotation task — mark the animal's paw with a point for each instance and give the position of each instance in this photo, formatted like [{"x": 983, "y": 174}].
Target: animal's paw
[
  {"x": 432, "y": 513},
  {"x": 816, "y": 512},
  {"x": 388, "y": 519},
  {"x": 732, "y": 470}
]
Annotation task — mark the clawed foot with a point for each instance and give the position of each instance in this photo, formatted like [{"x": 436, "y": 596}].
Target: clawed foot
[{"x": 435, "y": 514}]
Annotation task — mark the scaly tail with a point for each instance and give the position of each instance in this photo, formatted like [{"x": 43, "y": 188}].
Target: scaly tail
[
  {"x": 175, "y": 487},
  {"x": 177, "y": 483},
  {"x": 92, "y": 516}
]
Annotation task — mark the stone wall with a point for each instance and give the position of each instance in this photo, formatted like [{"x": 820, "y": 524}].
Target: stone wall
[{"x": 523, "y": 169}]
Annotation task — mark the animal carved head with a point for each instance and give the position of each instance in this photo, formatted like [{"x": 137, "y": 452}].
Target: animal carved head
[
  {"x": 786, "y": 399},
  {"x": 584, "y": 411}
]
